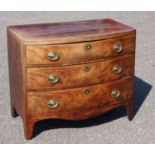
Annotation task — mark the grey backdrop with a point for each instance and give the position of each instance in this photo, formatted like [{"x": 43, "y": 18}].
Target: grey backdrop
[{"x": 112, "y": 127}]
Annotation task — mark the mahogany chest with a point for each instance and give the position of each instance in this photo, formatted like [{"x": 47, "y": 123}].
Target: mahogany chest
[{"x": 71, "y": 70}]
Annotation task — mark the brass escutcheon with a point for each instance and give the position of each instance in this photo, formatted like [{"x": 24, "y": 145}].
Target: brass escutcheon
[
  {"x": 86, "y": 91},
  {"x": 87, "y": 68},
  {"x": 88, "y": 47}
]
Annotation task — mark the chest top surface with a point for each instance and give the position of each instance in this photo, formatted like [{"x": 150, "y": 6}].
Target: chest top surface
[{"x": 65, "y": 32}]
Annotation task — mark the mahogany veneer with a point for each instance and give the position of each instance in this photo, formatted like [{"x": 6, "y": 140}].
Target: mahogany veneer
[{"x": 71, "y": 70}]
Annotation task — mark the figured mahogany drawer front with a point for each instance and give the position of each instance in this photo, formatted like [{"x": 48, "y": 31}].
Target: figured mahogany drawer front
[
  {"x": 81, "y": 98},
  {"x": 79, "y": 52},
  {"x": 80, "y": 75}
]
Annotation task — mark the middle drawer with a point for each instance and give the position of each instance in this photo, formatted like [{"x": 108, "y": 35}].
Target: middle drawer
[{"x": 55, "y": 78}]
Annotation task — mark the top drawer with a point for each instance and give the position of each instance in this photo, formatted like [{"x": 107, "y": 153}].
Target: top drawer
[{"x": 65, "y": 54}]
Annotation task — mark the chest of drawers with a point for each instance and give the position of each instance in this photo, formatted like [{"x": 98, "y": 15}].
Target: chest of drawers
[{"x": 71, "y": 70}]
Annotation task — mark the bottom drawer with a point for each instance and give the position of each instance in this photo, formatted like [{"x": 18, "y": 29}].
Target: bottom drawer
[{"x": 79, "y": 99}]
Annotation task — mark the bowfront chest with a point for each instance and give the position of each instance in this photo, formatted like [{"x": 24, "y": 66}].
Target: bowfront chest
[{"x": 71, "y": 70}]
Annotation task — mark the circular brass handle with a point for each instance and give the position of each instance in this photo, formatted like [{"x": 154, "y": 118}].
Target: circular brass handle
[
  {"x": 86, "y": 91},
  {"x": 86, "y": 68},
  {"x": 88, "y": 47},
  {"x": 118, "y": 47},
  {"x": 53, "y": 103},
  {"x": 117, "y": 69},
  {"x": 53, "y": 78},
  {"x": 115, "y": 93},
  {"x": 53, "y": 56}
]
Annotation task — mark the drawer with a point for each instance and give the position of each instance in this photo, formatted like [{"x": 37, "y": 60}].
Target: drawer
[
  {"x": 80, "y": 75},
  {"x": 64, "y": 54},
  {"x": 44, "y": 103}
]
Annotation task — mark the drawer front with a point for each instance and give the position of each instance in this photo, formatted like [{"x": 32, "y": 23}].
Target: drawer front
[
  {"x": 64, "y": 101},
  {"x": 80, "y": 75},
  {"x": 79, "y": 52}
]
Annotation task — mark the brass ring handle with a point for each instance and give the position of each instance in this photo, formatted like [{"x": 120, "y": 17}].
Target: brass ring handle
[
  {"x": 88, "y": 47},
  {"x": 53, "y": 56},
  {"x": 117, "y": 47},
  {"x": 53, "y": 103},
  {"x": 117, "y": 69},
  {"x": 115, "y": 93},
  {"x": 53, "y": 78}
]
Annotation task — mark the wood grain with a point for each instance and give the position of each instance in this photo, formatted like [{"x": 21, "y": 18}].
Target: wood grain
[
  {"x": 84, "y": 114},
  {"x": 75, "y": 99},
  {"x": 29, "y": 67},
  {"x": 76, "y": 76},
  {"x": 76, "y": 53},
  {"x": 16, "y": 75},
  {"x": 77, "y": 31}
]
